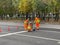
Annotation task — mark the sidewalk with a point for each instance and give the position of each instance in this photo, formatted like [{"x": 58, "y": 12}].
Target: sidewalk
[
  {"x": 50, "y": 26},
  {"x": 11, "y": 23}
]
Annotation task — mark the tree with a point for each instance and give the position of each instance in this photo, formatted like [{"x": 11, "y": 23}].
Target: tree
[{"x": 25, "y": 7}]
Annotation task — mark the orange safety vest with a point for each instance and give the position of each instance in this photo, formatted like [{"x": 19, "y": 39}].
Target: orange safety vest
[{"x": 37, "y": 20}]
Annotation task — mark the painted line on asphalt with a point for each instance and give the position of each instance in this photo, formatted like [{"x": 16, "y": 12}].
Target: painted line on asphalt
[
  {"x": 58, "y": 42},
  {"x": 12, "y": 33},
  {"x": 38, "y": 37},
  {"x": 49, "y": 31}
]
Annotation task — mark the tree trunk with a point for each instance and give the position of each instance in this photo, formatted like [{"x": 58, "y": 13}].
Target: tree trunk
[
  {"x": 38, "y": 14},
  {"x": 27, "y": 15}
]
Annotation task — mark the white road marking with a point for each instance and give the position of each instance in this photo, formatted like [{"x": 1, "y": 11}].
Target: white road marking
[
  {"x": 12, "y": 33},
  {"x": 38, "y": 37},
  {"x": 58, "y": 42},
  {"x": 49, "y": 31}
]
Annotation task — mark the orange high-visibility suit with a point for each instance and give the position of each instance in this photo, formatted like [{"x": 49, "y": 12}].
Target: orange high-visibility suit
[
  {"x": 37, "y": 23},
  {"x": 26, "y": 24}
]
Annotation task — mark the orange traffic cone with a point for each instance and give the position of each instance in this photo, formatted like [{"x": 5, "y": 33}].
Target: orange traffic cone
[
  {"x": 17, "y": 27},
  {"x": 8, "y": 28},
  {"x": 0, "y": 30}
]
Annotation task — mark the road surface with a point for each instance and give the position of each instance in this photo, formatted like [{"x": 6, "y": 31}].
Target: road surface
[{"x": 20, "y": 37}]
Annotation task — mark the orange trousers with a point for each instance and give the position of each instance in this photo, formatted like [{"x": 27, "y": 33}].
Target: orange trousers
[{"x": 37, "y": 25}]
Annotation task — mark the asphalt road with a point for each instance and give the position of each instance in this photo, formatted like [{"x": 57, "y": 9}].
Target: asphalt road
[{"x": 17, "y": 36}]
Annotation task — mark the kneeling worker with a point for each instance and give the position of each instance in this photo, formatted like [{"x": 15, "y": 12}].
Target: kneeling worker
[{"x": 30, "y": 27}]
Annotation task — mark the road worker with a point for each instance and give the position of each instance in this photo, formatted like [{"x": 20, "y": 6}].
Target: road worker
[
  {"x": 37, "y": 23},
  {"x": 30, "y": 27},
  {"x": 26, "y": 24}
]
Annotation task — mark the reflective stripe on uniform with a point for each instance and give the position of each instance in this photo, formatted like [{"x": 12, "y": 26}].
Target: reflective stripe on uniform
[{"x": 29, "y": 27}]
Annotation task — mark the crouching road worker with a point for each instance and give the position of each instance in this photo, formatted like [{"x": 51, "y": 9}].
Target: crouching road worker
[
  {"x": 37, "y": 23},
  {"x": 30, "y": 27}
]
